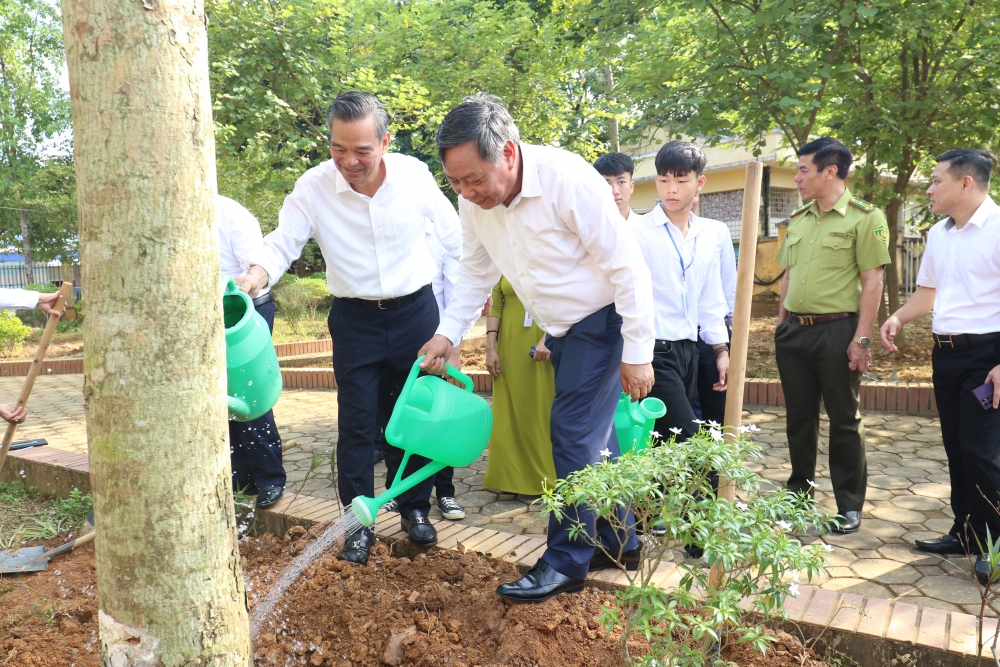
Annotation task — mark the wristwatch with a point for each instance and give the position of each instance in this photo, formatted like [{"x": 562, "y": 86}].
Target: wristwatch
[{"x": 863, "y": 341}]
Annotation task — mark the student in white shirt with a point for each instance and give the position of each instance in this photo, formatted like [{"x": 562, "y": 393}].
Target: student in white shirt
[
  {"x": 543, "y": 218},
  {"x": 617, "y": 169},
  {"x": 254, "y": 446},
  {"x": 366, "y": 208},
  {"x": 958, "y": 279},
  {"x": 683, "y": 253}
]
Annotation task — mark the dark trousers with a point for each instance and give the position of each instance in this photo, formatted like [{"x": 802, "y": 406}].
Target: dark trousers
[
  {"x": 373, "y": 351},
  {"x": 712, "y": 403},
  {"x": 675, "y": 373},
  {"x": 812, "y": 362},
  {"x": 587, "y": 363},
  {"x": 255, "y": 446},
  {"x": 971, "y": 437}
]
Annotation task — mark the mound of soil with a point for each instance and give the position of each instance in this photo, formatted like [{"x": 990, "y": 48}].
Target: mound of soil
[{"x": 436, "y": 609}]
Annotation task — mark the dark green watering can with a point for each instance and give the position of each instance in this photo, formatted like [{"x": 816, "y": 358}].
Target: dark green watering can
[
  {"x": 634, "y": 421},
  {"x": 251, "y": 362},
  {"x": 434, "y": 419}
]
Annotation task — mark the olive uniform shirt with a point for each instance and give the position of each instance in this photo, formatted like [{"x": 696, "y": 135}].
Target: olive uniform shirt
[{"x": 825, "y": 254}]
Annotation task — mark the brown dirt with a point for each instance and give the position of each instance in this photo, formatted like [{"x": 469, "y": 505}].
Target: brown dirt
[{"x": 438, "y": 609}]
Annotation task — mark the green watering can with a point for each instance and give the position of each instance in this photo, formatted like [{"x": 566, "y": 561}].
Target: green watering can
[
  {"x": 434, "y": 419},
  {"x": 634, "y": 421},
  {"x": 251, "y": 362}
]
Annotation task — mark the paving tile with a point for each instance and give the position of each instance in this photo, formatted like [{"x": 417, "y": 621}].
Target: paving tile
[{"x": 956, "y": 590}]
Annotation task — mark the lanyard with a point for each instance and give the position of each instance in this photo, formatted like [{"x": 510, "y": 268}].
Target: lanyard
[{"x": 678, "y": 251}]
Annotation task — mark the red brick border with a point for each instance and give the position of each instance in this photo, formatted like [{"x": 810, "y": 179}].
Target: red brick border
[
  {"x": 875, "y": 396},
  {"x": 49, "y": 367},
  {"x": 303, "y": 347}
]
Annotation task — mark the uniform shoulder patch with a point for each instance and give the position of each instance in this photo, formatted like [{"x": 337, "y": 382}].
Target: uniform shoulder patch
[
  {"x": 801, "y": 209},
  {"x": 881, "y": 233},
  {"x": 862, "y": 204}
]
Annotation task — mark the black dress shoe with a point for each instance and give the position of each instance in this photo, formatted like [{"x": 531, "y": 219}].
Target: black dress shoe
[
  {"x": 982, "y": 569},
  {"x": 944, "y": 545},
  {"x": 356, "y": 547},
  {"x": 422, "y": 532},
  {"x": 269, "y": 495},
  {"x": 541, "y": 583},
  {"x": 846, "y": 522},
  {"x": 630, "y": 559},
  {"x": 379, "y": 456}
]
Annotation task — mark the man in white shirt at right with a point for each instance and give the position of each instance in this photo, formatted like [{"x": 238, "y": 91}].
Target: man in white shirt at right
[{"x": 959, "y": 279}]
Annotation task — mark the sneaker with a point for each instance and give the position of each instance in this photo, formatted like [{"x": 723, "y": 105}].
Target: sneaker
[
  {"x": 391, "y": 506},
  {"x": 451, "y": 509}
]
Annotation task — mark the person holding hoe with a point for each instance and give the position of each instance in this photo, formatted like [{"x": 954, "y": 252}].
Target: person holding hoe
[
  {"x": 546, "y": 220},
  {"x": 24, "y": 299}
]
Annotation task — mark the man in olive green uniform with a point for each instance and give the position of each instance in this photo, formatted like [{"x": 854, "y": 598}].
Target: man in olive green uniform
[{"x": 834, "y": 253}]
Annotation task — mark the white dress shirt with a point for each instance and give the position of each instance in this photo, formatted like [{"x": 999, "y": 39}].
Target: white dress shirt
[
  {"x": 565, "y": 249},
  {"x": 445, "y": 269},
  {"x": 17, "y": 299},
  {"x": 963, "y": 265},
  {"x": 700, "y": 251},
  {"x": 240, "y": 238},
  {"x": 373, "y": 246},
  {"x": 727, "y": 259}
]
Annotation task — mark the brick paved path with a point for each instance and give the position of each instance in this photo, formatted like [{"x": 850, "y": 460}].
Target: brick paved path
[{"x": 907, "y": 495}]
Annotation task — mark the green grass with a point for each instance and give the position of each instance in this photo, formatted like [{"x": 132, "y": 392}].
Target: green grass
[{"x": 27, "y": 516}]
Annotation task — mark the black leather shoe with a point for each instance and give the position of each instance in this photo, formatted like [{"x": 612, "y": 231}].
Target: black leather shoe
[
  {"x": 379, "y": 456},
  {"x": 356, "y": 547},
  {"x": 269, "y": 495},
  {"x": 846, "y": 522},
  {"x": 944, "y": 545},
  {"x": 630, "y": 559},
  {"x": 694, "y": 551},
  {"x": 982, "y": 569},
  {"x": 422, "y": 532},
  {"x": 541, "y": 583}
]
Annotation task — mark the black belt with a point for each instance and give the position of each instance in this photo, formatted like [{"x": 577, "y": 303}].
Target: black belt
[
  {"x": 958, "y": 340},
  {"x": 261, "y": 300},
  {"x": 808, "y": 320},
  {"x": 388, "y": 304}
]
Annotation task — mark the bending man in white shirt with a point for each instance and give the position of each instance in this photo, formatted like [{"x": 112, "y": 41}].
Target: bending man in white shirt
[
  {"x": 958, "y": 279},
  {"x": 366, "y": 209},
  {"x": 546, "y": 220},
  {"x": 254, "y": 446},
  {"x": 24, "y": 299}
]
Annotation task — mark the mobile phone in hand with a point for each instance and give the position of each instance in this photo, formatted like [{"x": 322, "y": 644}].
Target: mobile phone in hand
[{"x": 984, "y": 395}]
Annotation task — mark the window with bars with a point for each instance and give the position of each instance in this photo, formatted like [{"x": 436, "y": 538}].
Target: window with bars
[{"x": 727, "y": 206}]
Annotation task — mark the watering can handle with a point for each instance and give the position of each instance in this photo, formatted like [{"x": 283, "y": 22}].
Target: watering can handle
[
  {"x": 404, "y": 393},
  {"x": 231, "y": 287}
]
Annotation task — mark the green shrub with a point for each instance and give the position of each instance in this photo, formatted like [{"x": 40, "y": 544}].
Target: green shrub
[
  {"x": 13, "y": 333},
  {"x": 297, "y": 299},
  {"x": 752, "y": 539}
]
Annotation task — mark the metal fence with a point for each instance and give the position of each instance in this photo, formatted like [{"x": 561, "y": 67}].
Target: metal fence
[
  {"x": 913, "y": 251},
  {"x": 14, "y": 274}
]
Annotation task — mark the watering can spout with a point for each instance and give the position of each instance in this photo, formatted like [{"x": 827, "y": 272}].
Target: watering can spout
[{"x": 238, "y": 408}]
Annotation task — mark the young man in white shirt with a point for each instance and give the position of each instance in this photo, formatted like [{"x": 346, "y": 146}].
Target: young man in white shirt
[
  {"x": 254, "y": 446},
  {"x": 683, "y": 254},
  {"x": 367, "y": 208},
  {"x": 617, "y": 169},
  {"x": 958, "y": 279},
  {"x": 544, "y": 219}
]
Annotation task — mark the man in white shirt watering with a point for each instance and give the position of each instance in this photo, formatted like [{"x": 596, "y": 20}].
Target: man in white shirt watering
[
  {"x": 366, "y": 208},
  {"x": 959, "y": 280},
  {"x": 254, "y": 446},
  {"x": 546, "y": 220}
]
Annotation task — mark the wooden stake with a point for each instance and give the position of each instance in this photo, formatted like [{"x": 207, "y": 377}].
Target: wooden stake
[
  {"x": 36, "y": 365},
  {"x": 741, "y": 326}
]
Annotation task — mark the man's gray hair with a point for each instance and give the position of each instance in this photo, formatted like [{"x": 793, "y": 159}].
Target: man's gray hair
[
  {"x": 356, "y": 105},
  {"x": 482, "y": 118}
]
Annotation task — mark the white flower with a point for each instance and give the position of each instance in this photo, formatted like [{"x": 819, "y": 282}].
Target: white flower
[
  {"x": 795, "y": 577},
  {"x": 716, "y": 434},
  {"x": 654, "y": 434},
  {"x": 812, "y": 483},
  {"x": 606, "y": 453},
  {"x": 699, "y": 421},
  {"x": 748, "y": 428},
  {"x": 793, "y": 590},
  {"x": 741, "y": 505},
  {"x": 675, "y": 430},
  {"x": 784, "y": 525},
  {"x": 712, "y": 422},
  {"x": 829, "y": 548}
]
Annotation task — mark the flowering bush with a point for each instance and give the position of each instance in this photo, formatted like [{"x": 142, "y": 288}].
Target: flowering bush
[{"x": 669, "y": 486}]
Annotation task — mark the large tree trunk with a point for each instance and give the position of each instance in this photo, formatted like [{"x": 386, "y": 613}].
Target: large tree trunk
[
  {"x": 29, "y": 272},
  {"x": 892, "y": 270},
  {"x": 169, "y": 580}
]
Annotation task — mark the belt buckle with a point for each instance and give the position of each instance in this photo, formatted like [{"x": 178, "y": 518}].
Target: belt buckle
[
  {"x": 379, "y": 304},
  {"x": 806, "y": 320},
  {"x": 940, "y": 342}
]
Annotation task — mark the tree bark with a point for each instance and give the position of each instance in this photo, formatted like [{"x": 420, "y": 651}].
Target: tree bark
[
  {"x": 29, "y": 269},
  {"x": 609, "y": 81},
  {"x": 170, "y": 585},
  {"x": 892, "y": 270}
]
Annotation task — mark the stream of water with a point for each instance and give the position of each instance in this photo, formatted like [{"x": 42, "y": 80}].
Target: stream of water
[{"x": 335, "y": 534}]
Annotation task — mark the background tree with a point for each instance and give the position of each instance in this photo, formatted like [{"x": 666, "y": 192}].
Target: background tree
[
  {"x": 33, "y": 112},
  {"x": 170, "y": 585}
]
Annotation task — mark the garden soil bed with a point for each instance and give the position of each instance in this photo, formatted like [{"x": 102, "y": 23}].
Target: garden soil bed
[{"x": 437, "y": 609}]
